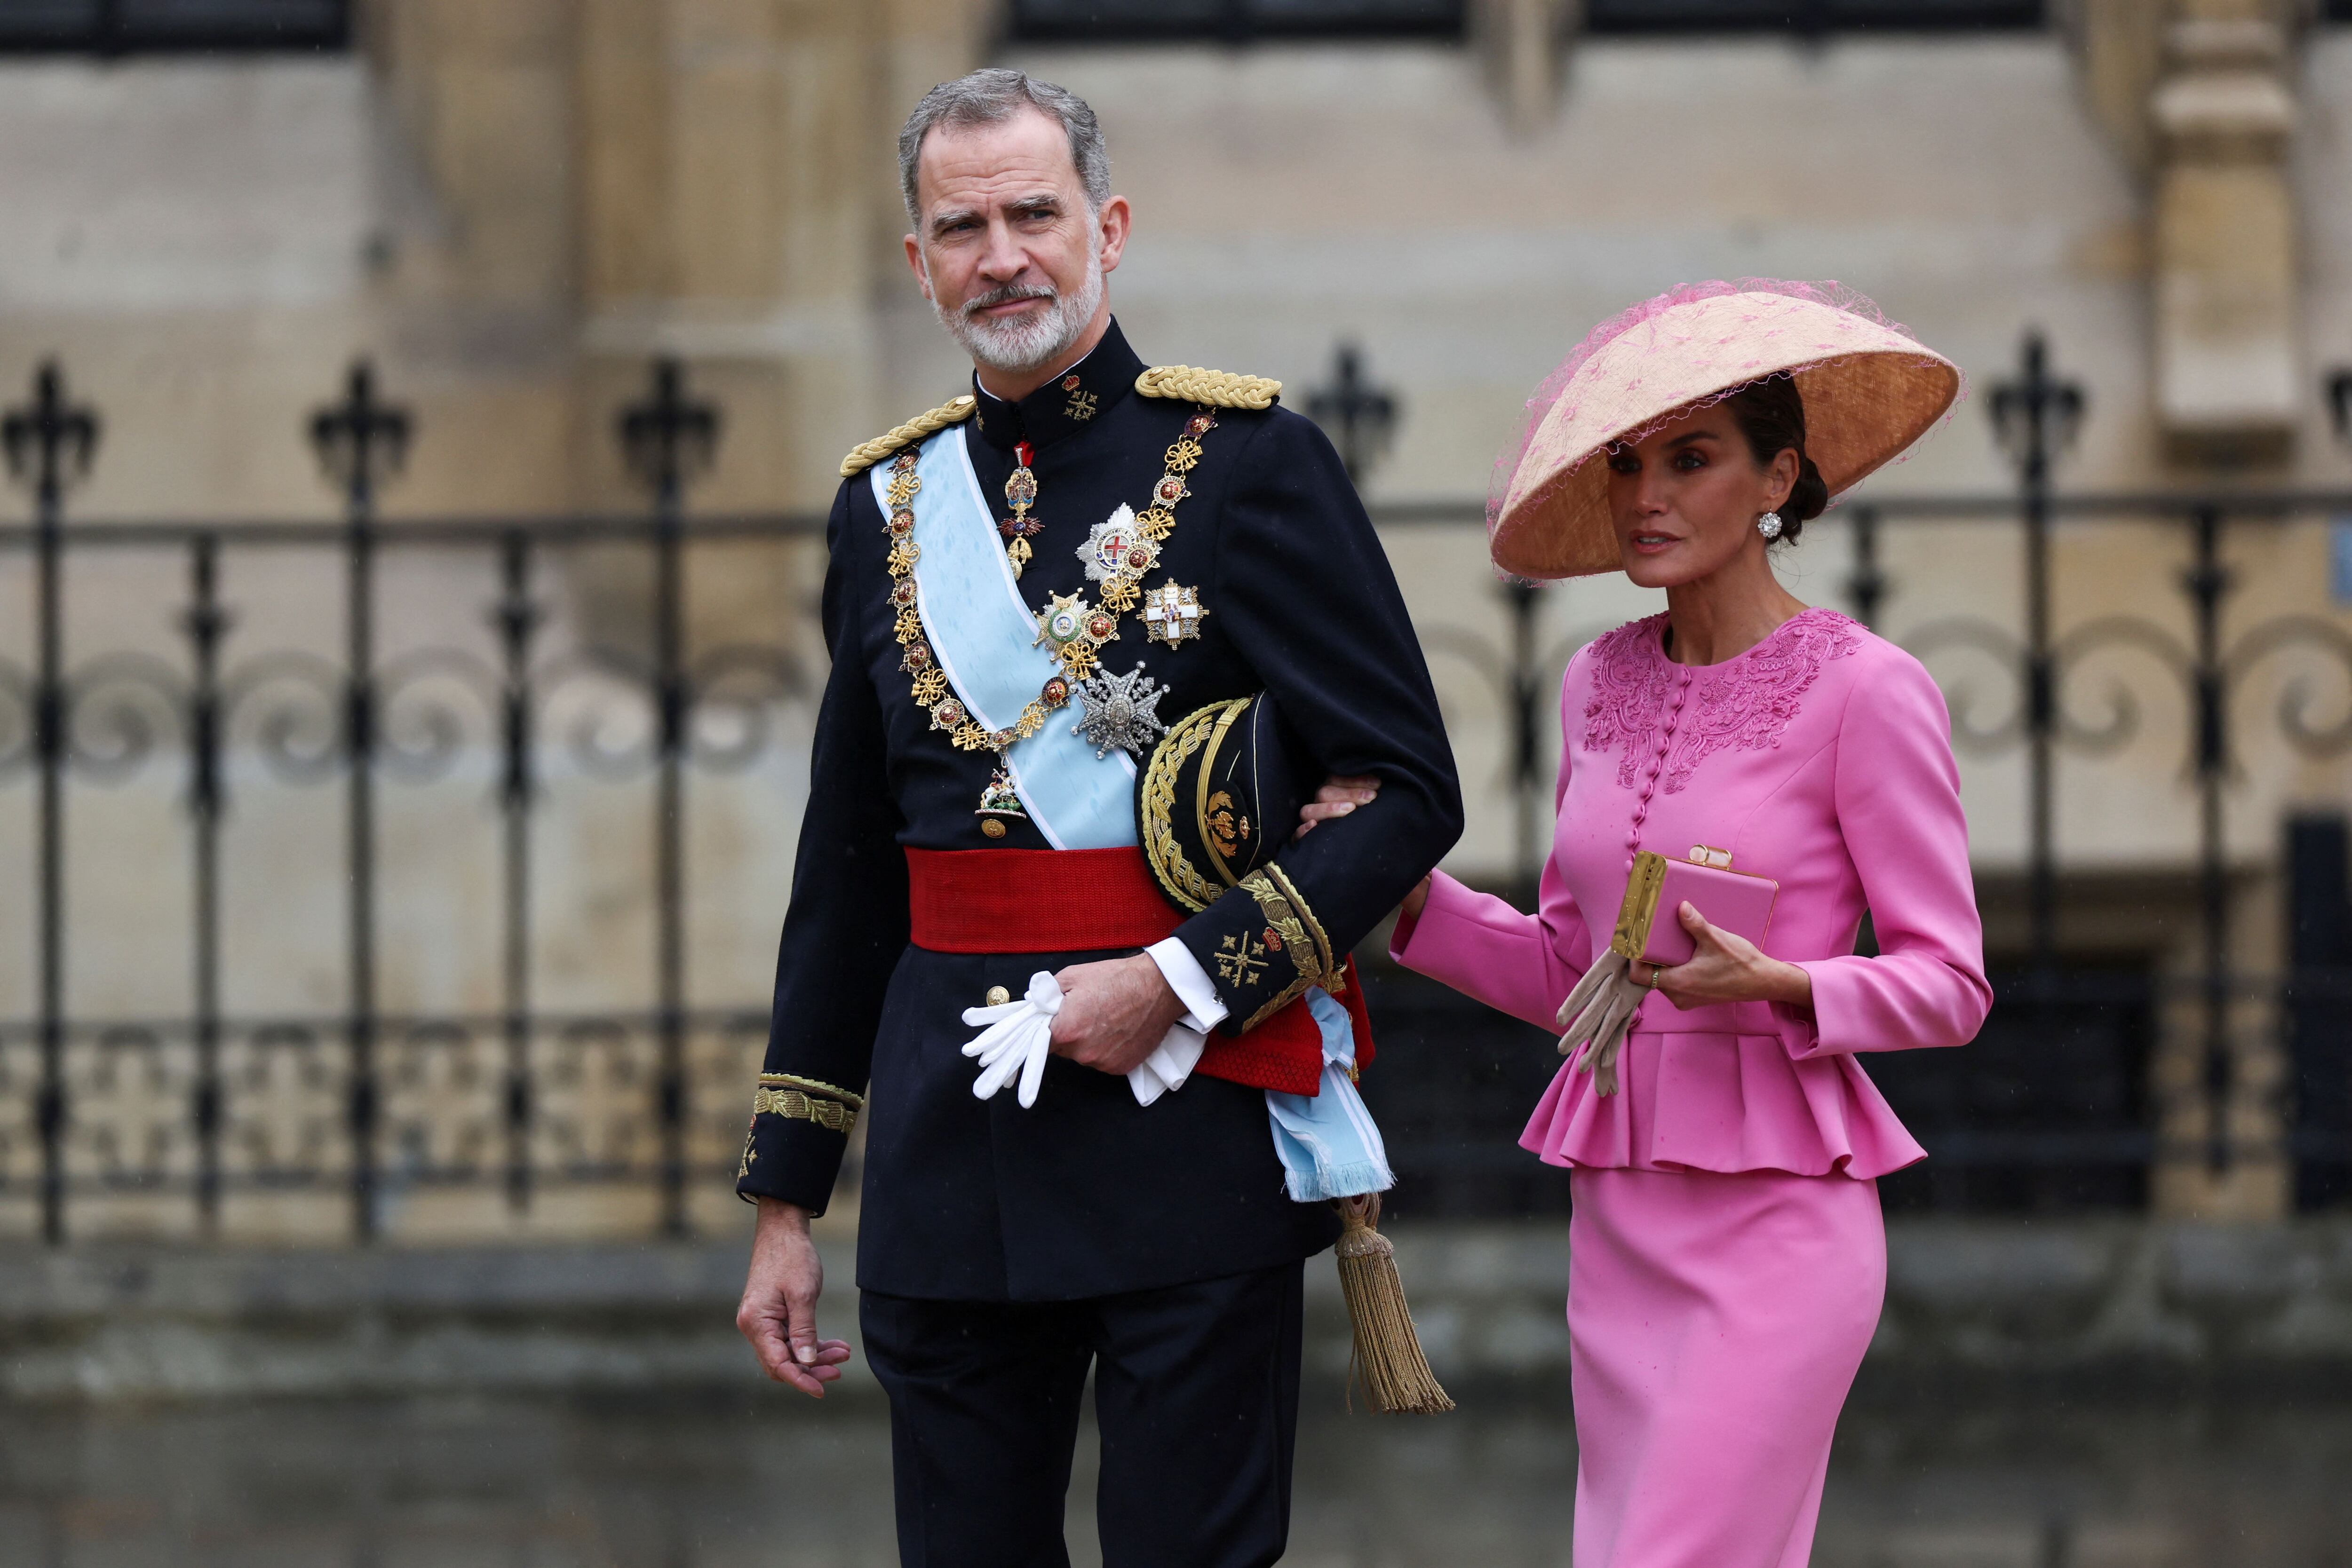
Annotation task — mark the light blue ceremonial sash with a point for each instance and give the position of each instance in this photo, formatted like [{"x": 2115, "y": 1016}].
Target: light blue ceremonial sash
[
  {"x": 1326, "y": 1141},
  {"x": 985, "y": 635}
]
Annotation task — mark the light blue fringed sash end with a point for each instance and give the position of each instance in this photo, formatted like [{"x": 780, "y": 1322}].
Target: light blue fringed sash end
[{"x": 1328, "y": 1145}]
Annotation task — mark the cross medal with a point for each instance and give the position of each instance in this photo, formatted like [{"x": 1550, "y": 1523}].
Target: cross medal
[{"x": 1021, "y": 491}]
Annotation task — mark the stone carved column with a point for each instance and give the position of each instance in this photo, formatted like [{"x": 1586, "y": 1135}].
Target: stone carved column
[
  {"x": 2229, "y": 377},
  {"x": 1525, "y": 45},
  {"x": 2196, "y": 97}
]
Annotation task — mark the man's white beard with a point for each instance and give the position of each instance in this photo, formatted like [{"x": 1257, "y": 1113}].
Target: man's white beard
[{"x": 1022, "y": 344}]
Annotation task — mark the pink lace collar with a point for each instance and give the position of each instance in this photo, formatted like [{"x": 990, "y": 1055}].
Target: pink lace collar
[{"x": 1746, "y": 701}]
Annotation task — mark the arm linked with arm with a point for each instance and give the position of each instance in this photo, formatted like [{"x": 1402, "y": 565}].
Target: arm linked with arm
[
  {"x": 1304, "y": 590},
  {"x": 1483, "y": 947}
]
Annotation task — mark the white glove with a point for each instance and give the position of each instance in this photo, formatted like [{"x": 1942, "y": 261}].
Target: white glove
[
  {"x": 1019, "y": 1038},
  {"x": 1597, "y": 1016}
]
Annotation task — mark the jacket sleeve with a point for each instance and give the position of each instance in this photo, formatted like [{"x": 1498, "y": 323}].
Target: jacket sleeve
[
  {"x": 1305, "y": 592},
  {"x": 844, "y": 930},
  {"x": 1524, "y": 965},
  {"x": 1898, "y": 808}
]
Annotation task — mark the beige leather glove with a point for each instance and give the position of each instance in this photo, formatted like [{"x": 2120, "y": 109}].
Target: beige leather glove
[{"x": 1597, "y": 1015}]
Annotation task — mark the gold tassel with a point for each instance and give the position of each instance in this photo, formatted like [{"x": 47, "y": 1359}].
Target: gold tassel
[{"x": 1388, "y": 1351}]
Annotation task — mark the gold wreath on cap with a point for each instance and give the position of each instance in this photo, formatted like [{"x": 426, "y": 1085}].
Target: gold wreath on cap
[{"x": 1870, "y": 390}]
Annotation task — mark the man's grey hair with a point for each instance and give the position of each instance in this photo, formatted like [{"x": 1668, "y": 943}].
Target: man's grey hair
[{"x": 990, "y": 97}]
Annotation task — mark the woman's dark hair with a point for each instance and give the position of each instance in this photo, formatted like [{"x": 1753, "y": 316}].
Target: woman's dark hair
[{"x": 1771, "y": 416}]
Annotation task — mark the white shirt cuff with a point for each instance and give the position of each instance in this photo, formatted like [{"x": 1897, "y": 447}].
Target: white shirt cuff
[{"x": 1189, "y": 982}]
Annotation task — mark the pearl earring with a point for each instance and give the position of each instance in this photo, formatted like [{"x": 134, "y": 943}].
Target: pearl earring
[{"x": 1769, "y": 525}]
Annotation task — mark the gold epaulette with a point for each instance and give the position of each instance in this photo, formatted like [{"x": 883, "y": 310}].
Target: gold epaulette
[
  {"x": 865, "y": 456},
  {"x": 1218, "y": 389}
]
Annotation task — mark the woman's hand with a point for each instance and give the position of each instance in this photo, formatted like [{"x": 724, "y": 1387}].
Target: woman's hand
[
  {"x": 1727, "y": 968},
  {"x": 1338, "y": 798}
]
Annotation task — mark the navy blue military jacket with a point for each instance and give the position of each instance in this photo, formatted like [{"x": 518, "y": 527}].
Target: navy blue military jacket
[{"x": 1087, "y": 1193}]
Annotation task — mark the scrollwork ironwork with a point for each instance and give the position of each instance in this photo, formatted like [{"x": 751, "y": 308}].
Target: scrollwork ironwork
[
  {"x": 120, "y": 707},
  {"x": 298, "y": 719},
  {"x": 733, "y": 696},
  {"x": 2006, "y": 650},
  {"x": 285, "y": 1105},
  {"x": 604, "y": 707},
  {"x": 2123, "y": 706},
  {"x": 596, "y": 1079},
  {"x": 442, "y": 1091},
  {"x": 423, "y": 732},
  {"x": 2288, "y": 633},
  {"x": 131, "y": 1086}
]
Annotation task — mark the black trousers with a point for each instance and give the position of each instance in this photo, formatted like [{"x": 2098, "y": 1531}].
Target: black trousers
[{"x": 1196, "y": 1394}]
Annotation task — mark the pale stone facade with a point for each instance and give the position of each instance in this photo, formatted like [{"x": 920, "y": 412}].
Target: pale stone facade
[{"x": 513, "y": 206}]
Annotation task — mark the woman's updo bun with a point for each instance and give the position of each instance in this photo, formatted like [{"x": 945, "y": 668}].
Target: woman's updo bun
[{"x": 1771, "y": 416}]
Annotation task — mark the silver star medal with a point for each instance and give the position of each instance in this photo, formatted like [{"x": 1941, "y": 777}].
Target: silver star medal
[
  {"x": 1116, "y": 545},
  {"x": 1120, "y": 711}
]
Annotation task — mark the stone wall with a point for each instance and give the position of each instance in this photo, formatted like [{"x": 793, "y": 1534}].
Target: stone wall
[{"x": 2037, "y": 1303}]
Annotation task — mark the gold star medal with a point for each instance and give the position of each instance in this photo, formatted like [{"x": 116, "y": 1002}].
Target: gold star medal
[{"x": 1076, "y": 631}]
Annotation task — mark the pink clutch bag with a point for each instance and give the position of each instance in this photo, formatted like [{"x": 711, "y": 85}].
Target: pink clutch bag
[{"x": 1648, "y": 928}]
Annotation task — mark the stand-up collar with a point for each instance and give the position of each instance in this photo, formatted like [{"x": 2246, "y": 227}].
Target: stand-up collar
[{"x": 1065, "y": 405}]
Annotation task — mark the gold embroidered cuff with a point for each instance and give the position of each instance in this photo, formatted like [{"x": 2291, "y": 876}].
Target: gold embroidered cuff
[
  {"x": 807, "y": 1100},
  {"x": 817, "y": 1086},
  {"x": 831, "y": 1114},
  {"x": 1292, "y": 931}
]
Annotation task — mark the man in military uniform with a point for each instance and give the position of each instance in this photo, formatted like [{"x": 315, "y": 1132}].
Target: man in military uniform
[{"x": 1027, "y": 586}]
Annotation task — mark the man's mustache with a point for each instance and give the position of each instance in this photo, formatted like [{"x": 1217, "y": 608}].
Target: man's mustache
[{"x": 1006, "y": 296}]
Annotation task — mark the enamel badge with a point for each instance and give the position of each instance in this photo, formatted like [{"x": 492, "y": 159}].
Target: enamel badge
[
  {"x": 1171, "y": 613},
  {"x": 1000, "y": 803},
  {"x": 1115, "y": 547}
]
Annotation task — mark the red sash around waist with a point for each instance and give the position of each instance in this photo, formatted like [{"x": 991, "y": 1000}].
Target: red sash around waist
[{"x": 1001, "y": 902}]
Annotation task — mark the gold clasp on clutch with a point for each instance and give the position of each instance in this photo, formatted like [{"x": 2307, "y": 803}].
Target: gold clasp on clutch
[{"x": 1701, "y": 854}]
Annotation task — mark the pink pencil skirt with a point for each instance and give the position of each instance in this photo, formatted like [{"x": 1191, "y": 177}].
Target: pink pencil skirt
[{"x": 1716, "y": 1324}]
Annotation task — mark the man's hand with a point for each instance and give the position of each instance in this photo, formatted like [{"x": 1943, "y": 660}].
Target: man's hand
[
  {"x": 1114, "y": 1013},
  {"x": 1725, "y": 967},
  {"x": 779, "y": 1311}
]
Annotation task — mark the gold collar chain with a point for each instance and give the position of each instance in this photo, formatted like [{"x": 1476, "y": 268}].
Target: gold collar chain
[{"x": 1074, "y": 629}]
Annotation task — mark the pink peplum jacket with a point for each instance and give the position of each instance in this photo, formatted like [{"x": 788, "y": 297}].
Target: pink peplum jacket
[{"x": 1821, "y": 757}]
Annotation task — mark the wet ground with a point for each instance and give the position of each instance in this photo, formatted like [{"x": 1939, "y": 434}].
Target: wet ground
[{"x": 1987, "y": 1481}]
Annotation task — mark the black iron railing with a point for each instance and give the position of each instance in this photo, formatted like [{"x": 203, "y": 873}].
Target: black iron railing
[
  {"x": 372, "y": 1100},
  {"x": 368, "y": 1099}
]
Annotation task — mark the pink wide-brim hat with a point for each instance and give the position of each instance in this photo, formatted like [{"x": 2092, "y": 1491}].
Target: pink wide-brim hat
[{"x": 1870, "y": 389}]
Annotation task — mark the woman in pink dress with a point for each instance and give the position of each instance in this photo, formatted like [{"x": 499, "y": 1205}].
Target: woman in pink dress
[{"x": 1727, "y": 1255}]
